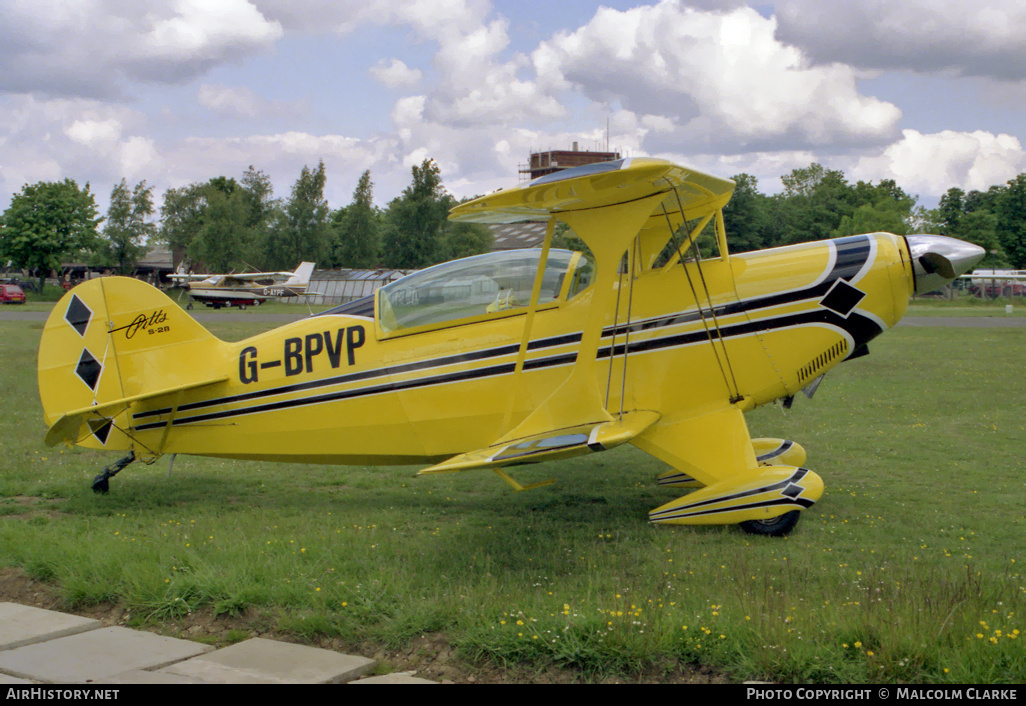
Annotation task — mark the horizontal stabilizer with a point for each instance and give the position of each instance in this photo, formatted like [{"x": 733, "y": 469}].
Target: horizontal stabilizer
[
  {"x": 552, "y": 445},
  {"x": 74, "y": 425}
]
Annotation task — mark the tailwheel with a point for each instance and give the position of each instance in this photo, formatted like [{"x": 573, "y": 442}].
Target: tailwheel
[
  {"x": 774, "y": 526},
  {"x": 101, "y": 483}
]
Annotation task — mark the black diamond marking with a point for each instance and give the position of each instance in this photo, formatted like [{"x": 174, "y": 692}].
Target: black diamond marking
[
  {"x": 101, "y": 429},
  {"x": 792, "y": 491},
  {"x": 89, "y": 369},
  {"x": 78, "y": 315},
  {"x": 842, "y": 298}
]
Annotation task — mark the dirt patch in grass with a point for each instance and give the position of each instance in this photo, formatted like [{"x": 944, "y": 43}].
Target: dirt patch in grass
[{"x": 429, "y": 656}]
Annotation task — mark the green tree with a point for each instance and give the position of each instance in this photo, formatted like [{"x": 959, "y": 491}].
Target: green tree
[
  {"x": 974, "y": 218},
  {"x": 463, "y": 239},
  {"x": 888, "y": 214},
  {"x": 301, "y": 229},
  {"x": 950, "y": 209},
  {"x": 747, "y": 216},
  {"x": 219, "y": 221},
  {"x": 1011, "y": 221},
  {"x": 223, "y": 241},
  {"x": 181, "y": 219},
  {"x": 813, "y": 203},
  {"x": 127, "y": 228},
  {"x": 46, "y": 223},
  {"x": 357, "y": 228},
  {"x": 414, "y": 222}
]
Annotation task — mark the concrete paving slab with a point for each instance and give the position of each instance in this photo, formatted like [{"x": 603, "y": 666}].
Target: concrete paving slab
[
  {"x": 141, "y": 676},
  {"x": 394, "y": 678},
  {"x": 96, "y": 655},
  {"x": 6, "y": 680},
  {"x": 24, "y": 625},
  {"x": 262, "y": 661}
]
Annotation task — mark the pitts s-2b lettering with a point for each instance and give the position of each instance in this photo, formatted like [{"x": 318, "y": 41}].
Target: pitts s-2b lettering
[{"x": 517, "y": 357}]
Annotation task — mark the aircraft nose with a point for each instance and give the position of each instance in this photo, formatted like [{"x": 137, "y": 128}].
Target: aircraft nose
[{"x": 938, "y": 259}]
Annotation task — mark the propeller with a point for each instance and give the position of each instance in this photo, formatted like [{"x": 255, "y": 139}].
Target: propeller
[{"x": 938, "y": 260}]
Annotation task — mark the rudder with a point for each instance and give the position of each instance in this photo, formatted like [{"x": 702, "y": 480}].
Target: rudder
[{"x": 114, "y": 338}]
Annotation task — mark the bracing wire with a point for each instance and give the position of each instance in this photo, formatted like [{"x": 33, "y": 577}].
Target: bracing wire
[
  {"x": 616, "y": 321},
  {"x": 631, "y": 262},
  {"x": 694, "y": 293}
]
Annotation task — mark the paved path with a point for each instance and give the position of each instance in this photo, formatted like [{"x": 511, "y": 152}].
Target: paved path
[{"x": 40, "y": 646}]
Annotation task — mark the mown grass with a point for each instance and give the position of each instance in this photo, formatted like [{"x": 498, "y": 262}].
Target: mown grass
[
  {"x": 967, "y": 305},
  {"x": 910, "y": 569}
]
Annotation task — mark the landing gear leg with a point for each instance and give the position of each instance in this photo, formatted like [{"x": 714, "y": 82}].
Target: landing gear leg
[{"x": 101, "y": 483}]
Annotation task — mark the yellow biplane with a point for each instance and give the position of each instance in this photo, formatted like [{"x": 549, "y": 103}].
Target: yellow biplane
[{"x": 656, "y": 336}]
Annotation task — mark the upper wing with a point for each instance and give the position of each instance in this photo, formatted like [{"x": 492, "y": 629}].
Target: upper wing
[
  {"x": 598, "y": 185},
  {"x": 251, "y": 276}
]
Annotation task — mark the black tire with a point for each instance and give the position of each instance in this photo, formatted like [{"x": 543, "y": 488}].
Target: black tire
[{"x": 775, "y": 526}]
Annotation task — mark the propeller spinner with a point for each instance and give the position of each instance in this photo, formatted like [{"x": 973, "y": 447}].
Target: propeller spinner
[{"x": 938, "y": 260}]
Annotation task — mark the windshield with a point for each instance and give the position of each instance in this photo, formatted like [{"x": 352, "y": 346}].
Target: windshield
[{"x": 495, "y": 283}]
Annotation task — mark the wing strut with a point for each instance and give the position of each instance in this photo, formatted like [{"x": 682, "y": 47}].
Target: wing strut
[
  {"x": 725, "y": 366},
  {"x": 573, "y": 419},
  {"x": 532, "y": 308}
]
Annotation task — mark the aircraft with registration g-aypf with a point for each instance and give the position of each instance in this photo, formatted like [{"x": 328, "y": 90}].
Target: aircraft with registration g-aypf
[
  {"x": 516, "y": 357},
  {"x": 244, "y": 288}
]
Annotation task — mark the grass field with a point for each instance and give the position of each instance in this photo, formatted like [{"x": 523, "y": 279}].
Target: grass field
[{"x": 910, "y": 569}]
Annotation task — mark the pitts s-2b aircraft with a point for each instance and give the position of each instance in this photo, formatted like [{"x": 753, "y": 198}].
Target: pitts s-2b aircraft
[
  {"x": 515, "y": 357},
  {"x": 244, "y": 289}
]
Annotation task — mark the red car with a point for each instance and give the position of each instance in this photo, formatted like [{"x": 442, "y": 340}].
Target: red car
[{"x": 11, "y": 294}]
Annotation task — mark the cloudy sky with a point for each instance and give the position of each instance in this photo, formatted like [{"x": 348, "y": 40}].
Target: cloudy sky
[{"x": 931, "y": 93}]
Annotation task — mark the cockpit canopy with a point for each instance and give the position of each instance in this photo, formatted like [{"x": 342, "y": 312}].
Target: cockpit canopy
[{"x": 494, "y": 284}]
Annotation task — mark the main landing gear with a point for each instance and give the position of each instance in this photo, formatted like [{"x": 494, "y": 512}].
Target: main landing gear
[{"x": 773, "y": 527}]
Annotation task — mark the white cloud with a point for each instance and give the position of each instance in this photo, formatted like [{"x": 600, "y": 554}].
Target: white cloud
[
  {"x": 92, "y": 47},
  {"x": 720, "y": 89},
  {"x": 430, "y": 19},
  {"x": 242, "y": 103},
  {"x": 931, "y": 164},
  {"x": 396, "y": 74},
  {"x": 968, "y": 38},
  {"x": 94, "y": 132},
  {"x": 475, "y": 84},
  {"x": 722, "y": 78},
  {"x": 199, "y": 28},
  {"x": 84, "y": 140}
]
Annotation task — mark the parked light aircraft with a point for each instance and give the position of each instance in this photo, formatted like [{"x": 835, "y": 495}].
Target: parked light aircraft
[
  {"x": 997, "y": 283},
  {"x": 516, "y": 357},
  {"x": 245, "y": 288}
]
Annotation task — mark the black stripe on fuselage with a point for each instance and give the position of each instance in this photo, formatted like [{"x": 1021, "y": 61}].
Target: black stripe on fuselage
[
  {"x": 852, "y": 255},
  {"x": 403, "y": 369}
]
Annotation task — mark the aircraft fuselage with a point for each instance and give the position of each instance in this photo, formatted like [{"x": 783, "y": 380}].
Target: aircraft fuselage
[{"x": 336, "y": 389}]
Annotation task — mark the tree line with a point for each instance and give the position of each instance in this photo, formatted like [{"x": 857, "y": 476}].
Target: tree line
[
  {"x": 231, "y": 224},
  {"x": 818, "y": 203}
]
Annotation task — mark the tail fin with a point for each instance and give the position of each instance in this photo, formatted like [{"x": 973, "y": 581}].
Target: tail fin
[
  {"x": 117, "y": 339},
  {"x": 301, "y": 277}
]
